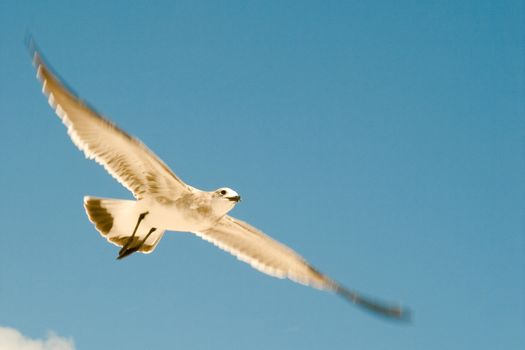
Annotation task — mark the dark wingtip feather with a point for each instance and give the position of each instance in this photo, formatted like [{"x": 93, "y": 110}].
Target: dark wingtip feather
[
  {"x": 29, "y": 42},
  {"x": 388, "y": 311},
  {"x": 39, "y": 61},
  {"x": 33, "y": 49}
]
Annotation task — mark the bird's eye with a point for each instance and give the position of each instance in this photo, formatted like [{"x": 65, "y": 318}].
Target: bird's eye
[{"x": 223, "y": 192}]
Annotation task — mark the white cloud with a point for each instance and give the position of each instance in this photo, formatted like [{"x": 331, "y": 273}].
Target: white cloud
[{"x": 12, "y": 339}]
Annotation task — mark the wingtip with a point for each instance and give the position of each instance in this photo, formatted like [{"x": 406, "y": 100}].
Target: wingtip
[
  {"x": 29, "y": 41},
  {"x": 405, "y": 315},
  {"x": 32, "y": 47},
  {"x": 400, "y": 313},
  {"x": 36, "y": 57},
  {"x": 387, "y": 311}
]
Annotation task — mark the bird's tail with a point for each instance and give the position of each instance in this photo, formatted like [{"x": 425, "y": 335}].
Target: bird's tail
[{"x": 115, "y": 220}]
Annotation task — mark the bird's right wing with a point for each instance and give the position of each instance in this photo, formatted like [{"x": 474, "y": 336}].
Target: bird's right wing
[
  {"x": 273, "y": 258},
  {"x": 127, "y": 159}
]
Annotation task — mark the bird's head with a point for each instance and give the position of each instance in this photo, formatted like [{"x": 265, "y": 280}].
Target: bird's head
[{"x": 225, "y": 199}]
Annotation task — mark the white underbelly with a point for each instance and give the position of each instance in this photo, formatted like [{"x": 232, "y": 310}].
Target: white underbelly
[{"x": 171, "y": 218}]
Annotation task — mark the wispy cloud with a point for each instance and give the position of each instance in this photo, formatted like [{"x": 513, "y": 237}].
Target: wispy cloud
[{"x": 12, "y": 339}]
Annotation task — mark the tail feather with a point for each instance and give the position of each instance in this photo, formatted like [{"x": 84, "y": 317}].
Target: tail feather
[
  {"x": 115, "y": 219},
  {"x": 99, "y": 215}
]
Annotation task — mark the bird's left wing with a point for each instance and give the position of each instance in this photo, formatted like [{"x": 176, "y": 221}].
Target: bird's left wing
[
  {"x": 273, "y": 258},
  {"x": 127, "y": 159}
]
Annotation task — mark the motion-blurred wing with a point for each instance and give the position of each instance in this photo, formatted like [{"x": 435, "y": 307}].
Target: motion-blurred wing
[
  {"x": 127, "y": 159},
  {"x": 273, "y": 258}
]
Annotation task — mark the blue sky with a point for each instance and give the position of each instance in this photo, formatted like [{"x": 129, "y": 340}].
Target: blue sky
[{"x": 381, "y": 140}]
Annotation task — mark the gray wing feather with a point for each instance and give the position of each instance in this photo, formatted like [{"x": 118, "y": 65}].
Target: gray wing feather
[
  {"x": 269, "y": 256},
  {"x": 263, "y": 252},
  {"x": 127, "y": 159}
]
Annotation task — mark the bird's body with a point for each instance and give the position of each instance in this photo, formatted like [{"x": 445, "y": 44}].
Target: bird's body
[
  {"x": 188, "y": 213},
  {"x": 163, "y": 202},
  {"x": 192, "y": 212}
]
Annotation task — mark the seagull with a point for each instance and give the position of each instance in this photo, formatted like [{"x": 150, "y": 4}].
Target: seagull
[{"x": 163, "y": 202}]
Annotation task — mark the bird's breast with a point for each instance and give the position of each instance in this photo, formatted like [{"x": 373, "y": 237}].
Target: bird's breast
[{"x": 183, "y": 215}]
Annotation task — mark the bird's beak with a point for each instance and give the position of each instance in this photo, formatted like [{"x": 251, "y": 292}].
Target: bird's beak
[{"x": 235, "y": 199}]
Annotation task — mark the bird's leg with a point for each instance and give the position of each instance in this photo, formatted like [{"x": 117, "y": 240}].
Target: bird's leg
[
  {"x": 122, "y": 252},
  {"x": 153, "y": 229},
  {"x": 128, "y": 251}
]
